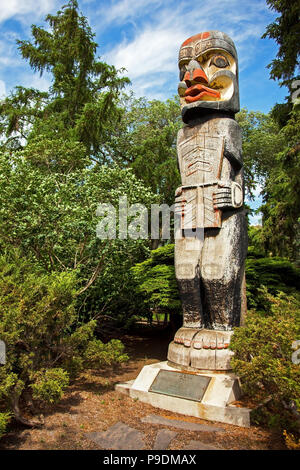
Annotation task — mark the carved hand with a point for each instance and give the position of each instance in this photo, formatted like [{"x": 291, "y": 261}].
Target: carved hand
[
  {"x": 229, "y": 195},
  {"x": 178, "y": 191}
]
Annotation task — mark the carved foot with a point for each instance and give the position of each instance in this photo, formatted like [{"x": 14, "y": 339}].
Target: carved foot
[
  {"x": 210, "y": 350},
  {"x": 180, "y": 348},
  {"x": 201, "y": 349}
]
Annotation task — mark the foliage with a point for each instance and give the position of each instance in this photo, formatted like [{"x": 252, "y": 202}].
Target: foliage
[
  {"x": 40, "y": 327},
  {"x": 85, "y": 142},
  {"x": 18, "y": 112},
  {"x": 145, "y": 140},
  {"x": 285, "y": 30},
  {"x": 52, "y": 144},
  {"x": 281, "y": 223},
  {"x": 155, "y": 281},
  {"x": 53, "y": 217},
  {"x": 291, "y": 441},
  {"x": 263, "y": 353},
  {"x": 261, "y": 141},
  {"x": 4, "y": 420},
  {"x": 277, "y": 274},
  {"x": 256, "y": 247},
  {"x": 49, "y": 385},
  {"x": 82, "y": 101},
  {"x": 281, "y": 112},
  {"x": 281, "y": 196},
  {"x": 108, "y": 354},
  {"x": 271, "y": 159}
]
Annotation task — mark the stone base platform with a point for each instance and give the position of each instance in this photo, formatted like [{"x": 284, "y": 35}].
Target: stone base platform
[{"x": 210, "y": 398}]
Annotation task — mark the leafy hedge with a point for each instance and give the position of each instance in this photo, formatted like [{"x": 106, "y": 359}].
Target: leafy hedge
[
  {"x": 263, "y": 360},
  {"x": 277, "y": 274},
  {"x": 4, "y": 420},
  {"x": 45, "y": 343},
  {"x": 155, "y": 282}
]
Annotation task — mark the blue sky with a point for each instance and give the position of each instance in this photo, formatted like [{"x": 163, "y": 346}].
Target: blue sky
[{"x": 144, "y": 37}]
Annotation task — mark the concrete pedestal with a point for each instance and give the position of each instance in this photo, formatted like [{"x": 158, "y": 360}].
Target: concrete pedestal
[{"x": 215, "y": 405}]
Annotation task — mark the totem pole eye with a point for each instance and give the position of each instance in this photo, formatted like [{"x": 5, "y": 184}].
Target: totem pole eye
[{"x": 219, "y": 61}]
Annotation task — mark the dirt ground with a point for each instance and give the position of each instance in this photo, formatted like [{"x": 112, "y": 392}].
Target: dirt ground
[{"x": 91, "y": 404}]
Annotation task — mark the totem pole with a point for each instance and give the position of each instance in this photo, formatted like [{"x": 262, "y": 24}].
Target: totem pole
[{"x": 211, "y": 240}]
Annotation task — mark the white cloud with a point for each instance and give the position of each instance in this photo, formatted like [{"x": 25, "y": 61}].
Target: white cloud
[
  {"x": 35, "y": 81},
  {"x": 157, "y": 87},
  {"x": 153, "y": 49},
  {"x": 2, "y": 89},
  {"x": 255, "y": 219},
  {"x": 120, "y": 11},
  {"x": 11, "y": 62},
  {"x": 8, "y": 50},
  {"x": 152, "y": 32},
  {"x": 12, "y": 8}
]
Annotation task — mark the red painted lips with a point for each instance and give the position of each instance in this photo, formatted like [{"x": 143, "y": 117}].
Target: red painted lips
[{"x": 196, "y": 92}]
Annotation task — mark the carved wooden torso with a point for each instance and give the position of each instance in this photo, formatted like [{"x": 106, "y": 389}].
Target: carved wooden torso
[{"x": 201, "y": 162}]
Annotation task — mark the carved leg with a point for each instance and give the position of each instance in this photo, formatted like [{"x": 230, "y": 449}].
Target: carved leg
[
  {"x": 222, "y": 271},
  {"x": 187, "y": 259}
]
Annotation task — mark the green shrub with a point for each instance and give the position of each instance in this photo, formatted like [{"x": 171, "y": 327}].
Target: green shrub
[
  {"x": 49, "y": 384},
  {"x": 263, "y": 354},
  {"x": 4, "y": 420},
  {"x": 276, "y": 274},
  {"x": 256, "y": 247},
  {"x": 45, "y": 344},
  {"x": 155, "y": 282},
  {"x": 98, "y": 354}
]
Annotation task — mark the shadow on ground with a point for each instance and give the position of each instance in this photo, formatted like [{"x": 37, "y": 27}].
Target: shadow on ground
[{"x": 144, "y": 345}]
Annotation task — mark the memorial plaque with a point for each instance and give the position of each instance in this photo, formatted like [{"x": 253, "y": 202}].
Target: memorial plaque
[
  {"x": 2, "y": 353},
  {"x": 180, "y": 384}
]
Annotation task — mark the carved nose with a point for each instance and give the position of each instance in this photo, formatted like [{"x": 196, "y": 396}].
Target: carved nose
[{"x": 195, "y": 74}]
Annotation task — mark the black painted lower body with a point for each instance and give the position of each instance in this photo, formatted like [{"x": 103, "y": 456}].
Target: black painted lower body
[{"x": 212, "y": 298}]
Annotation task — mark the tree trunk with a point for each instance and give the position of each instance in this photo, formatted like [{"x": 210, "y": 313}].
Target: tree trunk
[{"x": 21, "y": 419}]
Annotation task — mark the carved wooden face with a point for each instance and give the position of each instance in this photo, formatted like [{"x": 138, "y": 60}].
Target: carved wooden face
[{"x": 208, "y": 74}]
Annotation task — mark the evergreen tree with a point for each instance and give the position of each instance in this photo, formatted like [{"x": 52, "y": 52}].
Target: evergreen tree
[
  {"x": 281, "y": 222},
  {"x": 281, "y": 208},
  {"x": 286, "y": 32},
  {"x": 82, "y": 101}
]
